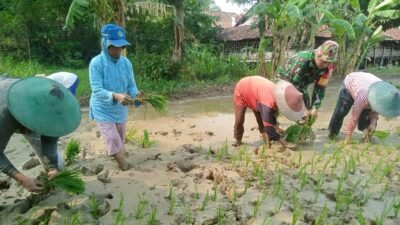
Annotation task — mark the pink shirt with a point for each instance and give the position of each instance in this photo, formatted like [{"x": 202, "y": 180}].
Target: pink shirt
[{"x": 357, "y": 84}]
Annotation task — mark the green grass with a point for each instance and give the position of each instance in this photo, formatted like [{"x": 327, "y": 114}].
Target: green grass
[
  {"x": 387, "y": 71},
  {"x": 24, "y": 69}
]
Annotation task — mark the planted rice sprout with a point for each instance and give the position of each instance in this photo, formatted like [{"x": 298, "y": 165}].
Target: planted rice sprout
[
  {"x": 152, "y": 219},
  {"x": 68, "y": 180},
  {"x": 71, "y": 151},
  {"x": 119, "y": 218},
  {"x": 158, "y": 102},
  {"x": 141, "y": 208},
  {"x": 205, "y": 201},
  {"x": 145, "y": 141},
  {"x": 94, "y": 206},
  {"x": 171, "y": 201},
  {"x": 323, "y": 216}
]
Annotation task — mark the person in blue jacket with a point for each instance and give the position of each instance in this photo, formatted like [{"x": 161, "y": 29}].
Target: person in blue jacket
[{"x": 113, "y": 87}]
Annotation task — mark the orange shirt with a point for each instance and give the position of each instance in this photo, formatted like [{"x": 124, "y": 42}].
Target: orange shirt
[{"x": 257, "y": 93}]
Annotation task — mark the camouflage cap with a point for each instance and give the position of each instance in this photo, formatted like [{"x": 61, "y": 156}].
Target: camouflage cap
[{"x": 328, "y": 51}]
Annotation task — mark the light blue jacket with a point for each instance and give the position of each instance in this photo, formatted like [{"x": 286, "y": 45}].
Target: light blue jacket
[{"x": 107, "y": 76}]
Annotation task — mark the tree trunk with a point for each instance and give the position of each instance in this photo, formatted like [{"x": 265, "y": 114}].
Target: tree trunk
[
  {"x": 179, "y": 32},
  {"x": 261, "y": 47},
  {"x": 120, "y": 12}
]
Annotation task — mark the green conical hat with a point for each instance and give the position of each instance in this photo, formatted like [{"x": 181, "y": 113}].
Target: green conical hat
[{"x": 44, "y": 106}]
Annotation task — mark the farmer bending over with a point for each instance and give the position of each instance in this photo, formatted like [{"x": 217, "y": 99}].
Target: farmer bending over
[
  {"x": 42, "y": 110},
  {"x": 311, "y": 67},
  {"x": 265, "y": 98},
  {"x": 113, "y": 88},
  {"x": 366, "y": 96}
]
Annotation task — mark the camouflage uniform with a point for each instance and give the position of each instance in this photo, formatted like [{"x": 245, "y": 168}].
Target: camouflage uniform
[{"x": 301, "y": 70}]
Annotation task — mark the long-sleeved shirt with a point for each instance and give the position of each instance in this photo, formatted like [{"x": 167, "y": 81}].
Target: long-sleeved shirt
[
  {"x": 358, "y": 84},
  {"x": 9, "y": 126},
  {"x": 108, "y": 76},
  {"x": 258, "y": 93},
  {"x": 301, "y": 71}
]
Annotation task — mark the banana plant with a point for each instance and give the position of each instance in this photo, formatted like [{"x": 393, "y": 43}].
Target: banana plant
[
  {"x": 355, "y": 27},
  {"x": 106, "y": 11}
]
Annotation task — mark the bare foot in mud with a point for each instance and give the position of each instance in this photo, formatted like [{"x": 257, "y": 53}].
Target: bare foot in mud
[
  {"x": 122, "y": 163},
  {"x": 237, "y": 143}
]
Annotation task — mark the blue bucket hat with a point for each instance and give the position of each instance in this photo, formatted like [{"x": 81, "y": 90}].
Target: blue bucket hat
[
  {"x": 384, "y": 99},
  {"x": 114, "y": 35}
]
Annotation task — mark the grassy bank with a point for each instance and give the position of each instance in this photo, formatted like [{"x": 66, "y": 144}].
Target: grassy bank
[{"x": 166, "y": 87}]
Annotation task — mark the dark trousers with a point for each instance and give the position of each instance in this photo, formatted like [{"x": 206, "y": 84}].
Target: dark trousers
[{"x": 343, "y": 106}]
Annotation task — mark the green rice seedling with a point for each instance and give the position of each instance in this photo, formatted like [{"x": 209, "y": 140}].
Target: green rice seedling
[
  {"x": 71, "y": 151},
  {"x": 323, "y": 216},
  {"x": 145, "y": 141},
  {"x": 209, "y": 152},
  {"x": 387, "y": 209},
  {"x": 263, "y": 154},
  {"x": 242, "y": 152},
  {"x": 131, "y": 136},
  {"x": 196, "y": 191},
  {"x": 94, "y": 206},
  {"x": 67, "y": 180},
  {"x": 220, "y": 216},
  {"x": 171, "y": 203},
  {"x": 222, "y": 152},
  {"x": 187, "y": 211},
  {"x": 247, "y": 183},
  {"x": 256, "y": 169},
  {"x": 313, "y": 164},
  {"x": 396, "y": 208},
  {"x": 365, "y": 196},
  {"x": 141, "y": 208},
  {"x": 278, "y": 203},
  {"x": 303, "y": 176},
  {"x": 318, "y": 186},
  {"x": 352, "y": 164},
  {"x": 278, "y": 184},
  {"x": 338, "y": 195},
  {"x": 119, "y": 218},
  {"x": 74, "y": 219},
  {"x": 158, "y": 102},
  {"x": 204, "y": 204},
  {"x": 256, "y": 207},
  {"x": 215, "y": 193},
  {"x": 267, "y": 220},
  {"x": 360, "y": 217},
  {"x": 234, "y": 196},
  {"x": 383, "y": 190},
  {"x": 297, "y": 211},
  {"x": 261, "y": 177},
  {"x": 247, "y": 160},
  {"x": 152, "y": 219}
]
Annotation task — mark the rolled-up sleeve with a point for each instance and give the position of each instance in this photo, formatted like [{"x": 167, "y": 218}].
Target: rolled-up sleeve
[{"x": 96, "y": 83}]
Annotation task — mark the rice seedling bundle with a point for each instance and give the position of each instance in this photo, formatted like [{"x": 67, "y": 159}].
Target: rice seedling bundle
[
  {"x": 300, "y": 132},
  {"x": 158, "y": 102},
  {"x": 67, "y": 180}
]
